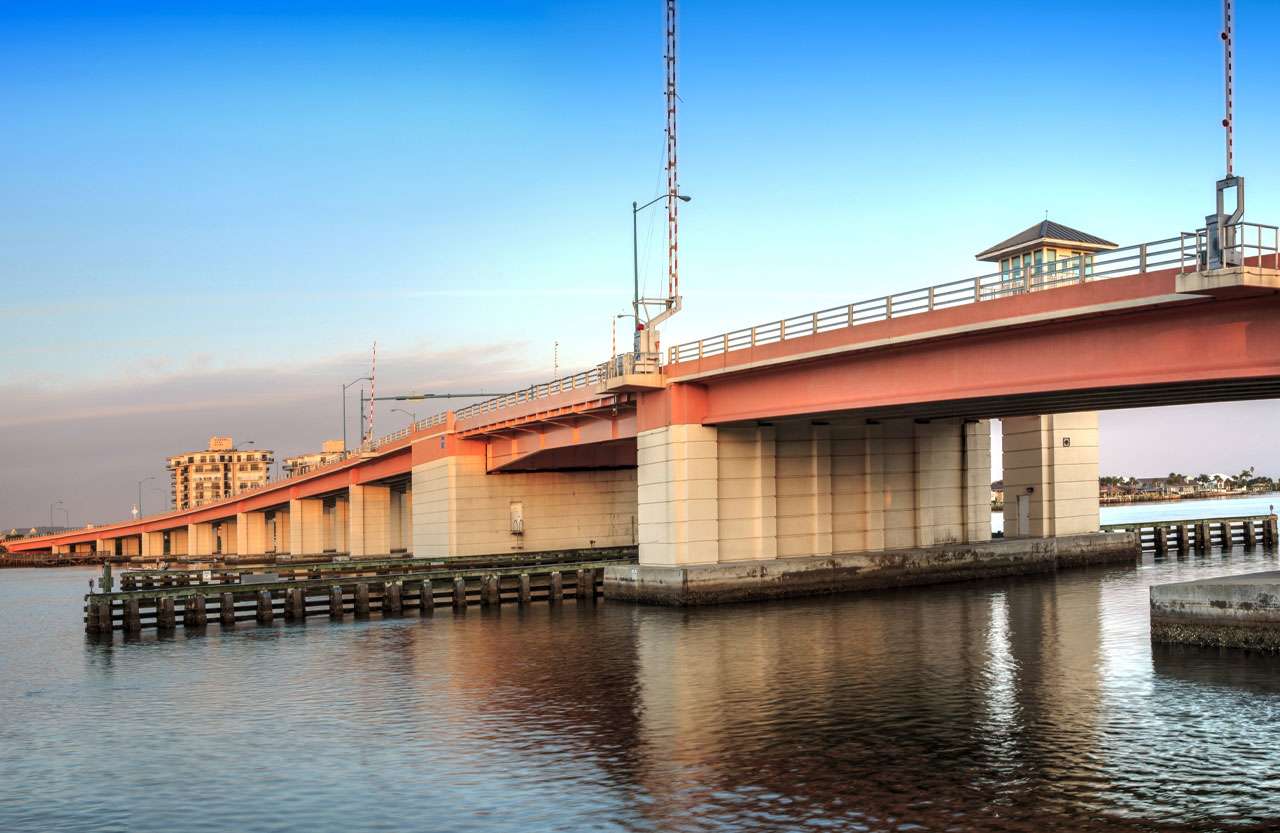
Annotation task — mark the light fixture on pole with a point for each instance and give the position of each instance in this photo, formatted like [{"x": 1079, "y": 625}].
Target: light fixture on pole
[
  {"x": 51, "y": 507},
  {"x": 413, "y": 417},
  {"x": 635, "y": 258},
  {"x": 344, "y": 407},
  {"x": 140, "y": 482}
]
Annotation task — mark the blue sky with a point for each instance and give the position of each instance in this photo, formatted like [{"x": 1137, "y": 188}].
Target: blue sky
[{"x": 206, "y": 196}]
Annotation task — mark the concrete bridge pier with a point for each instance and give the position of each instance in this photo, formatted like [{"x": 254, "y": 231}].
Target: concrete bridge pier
[
  {"x": 369, "y": 519},
  {"x": 459, "y": 507},
  {"x": 1051, "y": 475},
  {"x": 305, "y": 524}
]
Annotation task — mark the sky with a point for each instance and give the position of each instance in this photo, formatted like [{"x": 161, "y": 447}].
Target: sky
[{"x": 209, "y": 211}]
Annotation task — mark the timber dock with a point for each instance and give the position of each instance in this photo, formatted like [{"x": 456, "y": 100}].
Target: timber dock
[
  {"x": 1245, "y": 531},
  {"x": 161, "y": 599}
]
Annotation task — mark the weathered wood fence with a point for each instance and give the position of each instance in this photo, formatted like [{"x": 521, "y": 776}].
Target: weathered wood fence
[
  {"x": 1245, "y": 531},
  {"x": 264, "y": 597}
]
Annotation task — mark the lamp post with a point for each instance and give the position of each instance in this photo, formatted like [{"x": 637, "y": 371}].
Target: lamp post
[
  {"x": 140, "y": 482},
  {"x": 344, "y": 407},
  {"x": 51, "y": 507},
  {"x": 635, "y": 258},
  {"x": 413, "y": 417}
]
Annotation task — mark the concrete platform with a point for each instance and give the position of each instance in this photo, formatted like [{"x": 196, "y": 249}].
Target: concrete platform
[
  {"x": 788, "y": 577},
  {"x": 1232, "y": 611}
]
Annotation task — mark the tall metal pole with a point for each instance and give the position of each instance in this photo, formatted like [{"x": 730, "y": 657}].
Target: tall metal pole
[
  {"x": 1228, "y": 25},
  {"x": 635, "y": 274},
  {"x": 673, "y": 180},
  {"x": 344, "y": 417}
]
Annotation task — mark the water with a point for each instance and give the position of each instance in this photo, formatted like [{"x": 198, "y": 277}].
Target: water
[
  {"x": 1178, "y": 509},
  {"x": 1030, "y": 704}
]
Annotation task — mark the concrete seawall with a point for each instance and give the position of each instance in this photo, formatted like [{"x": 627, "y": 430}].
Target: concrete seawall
[
  {"x": 789, "y": 577},
  {"x": 1232, "y": 611}
]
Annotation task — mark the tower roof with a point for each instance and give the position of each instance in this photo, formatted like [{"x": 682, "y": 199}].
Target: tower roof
[{"x": 1044, "y": 232}]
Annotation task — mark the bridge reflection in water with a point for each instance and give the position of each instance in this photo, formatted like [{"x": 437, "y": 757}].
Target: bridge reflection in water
[{"x": 1021, "y": 704}]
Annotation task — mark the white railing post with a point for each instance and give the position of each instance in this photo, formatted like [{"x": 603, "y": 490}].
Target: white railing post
[
  {"x": 888, "y": 306},
  {"x": 977, "y": 290},
  {"x": 815, "y": 323},
  {"x": 931, "y": 299},
  {"x": 782, "y": 330},
  {"x": 850, "y": 315},
  {"x": 1142, "y": 259},
  {"x": 753, "y": 336},
  {"x": 726, "y": 342}
]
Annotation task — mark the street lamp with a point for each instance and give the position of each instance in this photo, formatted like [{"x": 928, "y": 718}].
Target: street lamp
[
  {"x": 344, "y": 407},
  {"x": 140, "y": 482},
  {"x": 51, "y": 507},
  {"x": 635, "y": 257},
  {"x": 413, "y": 417}
]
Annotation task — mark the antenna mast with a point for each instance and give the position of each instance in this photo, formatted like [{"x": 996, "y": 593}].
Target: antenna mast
[
  {"x": 673, "y": 180},
  {"x": 1220, "y": 227}
]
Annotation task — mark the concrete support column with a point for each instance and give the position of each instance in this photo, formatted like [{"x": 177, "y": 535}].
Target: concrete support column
[
  {"x": 677, "y": 495},
  {"x": 975, "y": 441},
  {"x": 105, "y": 545},
  {"x": 306, "y": 521},
  {"x": 228, "y": 531},
  {"x": 369, "y": 520},
  {"x": 747, "y": 493},
  {"x": 434, "y": 508},
  {"x": 1051, "y": 475},
  {"x": 251, "y": 533},
  {"x": 200, "y": 539},
  {"x": 400, "y": 520},
  {"x": 278, "y": 532},
  {"x": 803, "y": 475},
  {"x": 898, "y": 447}
]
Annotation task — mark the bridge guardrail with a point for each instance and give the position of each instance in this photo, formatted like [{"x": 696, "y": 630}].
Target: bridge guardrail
[{"x": 1253, "y": 242}]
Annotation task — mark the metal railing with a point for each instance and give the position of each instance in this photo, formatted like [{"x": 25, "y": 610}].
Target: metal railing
[
  {"x": 628, "y": 364},
  {"x": 1252, "y": 242}
]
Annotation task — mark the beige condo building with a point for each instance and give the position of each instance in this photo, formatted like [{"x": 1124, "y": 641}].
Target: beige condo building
[
  {"x": 330, "y": 451},
  {"x": 219, "y": 471}
]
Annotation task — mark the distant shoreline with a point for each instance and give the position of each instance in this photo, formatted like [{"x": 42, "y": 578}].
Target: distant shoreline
[{"x": 998, "y": 506}]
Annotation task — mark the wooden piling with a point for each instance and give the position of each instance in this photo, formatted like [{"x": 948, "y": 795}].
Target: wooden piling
[
  {"x": 91, "y": 618},
  {"x": 362, "y": 600},
  {"x": 459, "y": 593},
  {"x": 1224, "y": 529},
  {"x": 1183, "y": 543},
  {"x": 194, "y": 613},
  {"x": 227, "y": 610},
  {"x": 132, "y": 616},
  {"x": 265, "y": 613},
  {"x": 489, "y": 594},
  {"x": 556, "y": 588},
  {"x": 526, "y": 592},
  {"x": 584, "y": 584},
  {"x": 1250, "y": 535},
  {"x": 166, "y": 619},
  {"x": 1202, "y": 536},
  {"x": 335, "y": 603},
  {"x": 427, "y": 602},
  {"x": 295, "y": 606},
  {"x": 392, "y": 603},
  {"x": 1269, "y": 532},
  {"x": 1162, "y": 540}
]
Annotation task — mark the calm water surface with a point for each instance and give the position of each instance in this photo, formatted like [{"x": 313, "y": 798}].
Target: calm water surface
[{"x": 1028, "y": 704}]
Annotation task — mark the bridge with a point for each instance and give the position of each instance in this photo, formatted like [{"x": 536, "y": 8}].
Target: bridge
[{"x": 859, "y": 429}]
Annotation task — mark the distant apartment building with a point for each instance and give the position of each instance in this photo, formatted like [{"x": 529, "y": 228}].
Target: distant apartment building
[
  {"x": 220, "y": 471},
  {"x": 330, "y": 451}
]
